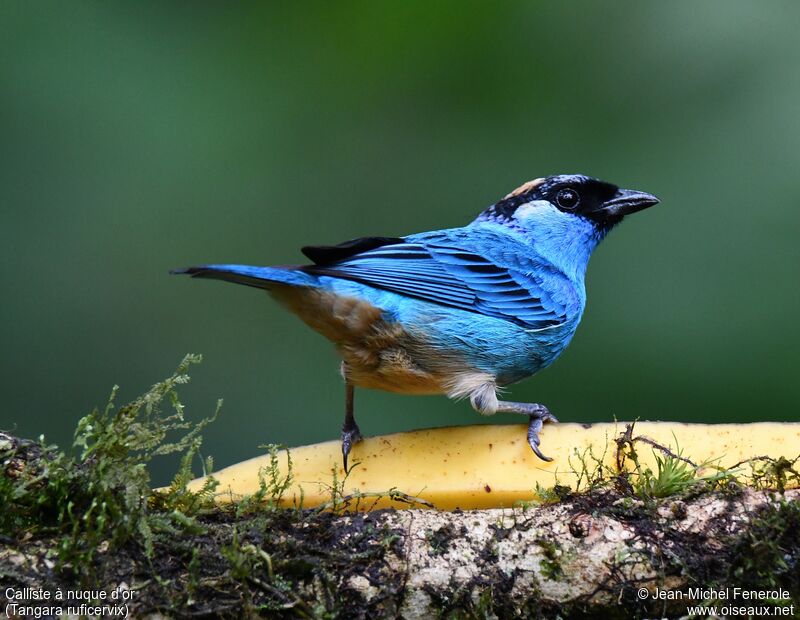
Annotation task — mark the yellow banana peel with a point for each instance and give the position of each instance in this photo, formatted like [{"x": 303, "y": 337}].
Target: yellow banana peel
[{"x": 486, "y": 466}]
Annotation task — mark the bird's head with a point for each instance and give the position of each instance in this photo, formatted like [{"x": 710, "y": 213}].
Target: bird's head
[
  {"x": 565, "y": 199},
  {"x": 565, "y": 216}
]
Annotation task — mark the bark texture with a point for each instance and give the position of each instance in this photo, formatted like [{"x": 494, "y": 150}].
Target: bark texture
[
  {"x": 586, "y": 556},
  {"x": 573, "y": 557}
]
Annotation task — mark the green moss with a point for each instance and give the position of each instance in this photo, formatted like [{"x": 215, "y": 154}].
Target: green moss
[
  {"x": 551, "y": 563},
  {"x": 770, "y": 473},
  {"x": 99, "y": 493},
  {"x": 767, "y": 555},
  {"x": 93, "y": 510}
]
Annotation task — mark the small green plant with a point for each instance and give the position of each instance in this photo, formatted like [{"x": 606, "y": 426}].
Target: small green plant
[
  {"x": 771, "y": 473},
  {"x": 675, "y": 474},
  {"x": 672, "y": 477},
  {"x": 271, "y": 484},
  {"x": 341, "y": 502},
  {"x": 590, "y": 468},
  {"x": 547, "y": 496}
]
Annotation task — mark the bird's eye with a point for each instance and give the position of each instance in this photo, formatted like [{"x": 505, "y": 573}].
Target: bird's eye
[{"x": 568, "y": 199}]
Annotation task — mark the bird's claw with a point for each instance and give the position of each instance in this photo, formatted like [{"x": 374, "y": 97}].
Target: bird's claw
[
  {"x": 350, "y": 437},
  {"x": 535, "y": 426}
]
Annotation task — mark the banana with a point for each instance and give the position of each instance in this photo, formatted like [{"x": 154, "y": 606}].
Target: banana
[{"x": 489, "y": 466}]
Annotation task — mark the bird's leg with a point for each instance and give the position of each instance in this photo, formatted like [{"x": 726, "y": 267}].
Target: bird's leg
[
  {"x": 350, "y": 433},
  {"x": 484, "y": 401},
  {"x": 538, "y": 414}
]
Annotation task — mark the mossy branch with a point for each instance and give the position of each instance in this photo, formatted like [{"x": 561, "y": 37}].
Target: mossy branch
[{"x": 90, "y": 520}]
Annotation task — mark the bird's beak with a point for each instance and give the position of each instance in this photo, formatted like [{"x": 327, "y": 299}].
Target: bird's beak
[{"x": 627, "y": 201}]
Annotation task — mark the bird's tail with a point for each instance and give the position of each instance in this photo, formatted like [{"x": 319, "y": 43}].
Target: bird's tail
[{"x": 258, "y": 277}]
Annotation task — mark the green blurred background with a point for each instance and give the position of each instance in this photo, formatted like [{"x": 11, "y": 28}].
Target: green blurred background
[{"x": 138, "y": 137}]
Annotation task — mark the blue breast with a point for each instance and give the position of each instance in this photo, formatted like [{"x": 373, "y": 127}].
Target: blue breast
[{"x": 453, "y": 339}]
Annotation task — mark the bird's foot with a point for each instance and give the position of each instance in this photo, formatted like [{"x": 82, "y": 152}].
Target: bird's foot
[
  {"x": 351, "y": 435},
  {"x": 539, "y": 414}
]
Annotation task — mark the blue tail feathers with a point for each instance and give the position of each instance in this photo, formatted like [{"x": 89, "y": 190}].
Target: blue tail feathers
[{"x": 258, "y": 277}]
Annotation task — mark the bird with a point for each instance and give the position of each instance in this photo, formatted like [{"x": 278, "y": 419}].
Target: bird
[{"x": 462, "y": 312}]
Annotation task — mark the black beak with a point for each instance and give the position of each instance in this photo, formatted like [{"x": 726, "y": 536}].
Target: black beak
[{"x": 627, "y": 201}]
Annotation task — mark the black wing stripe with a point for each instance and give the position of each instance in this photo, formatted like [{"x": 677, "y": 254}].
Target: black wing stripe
[{"x": 327, "y": 254}]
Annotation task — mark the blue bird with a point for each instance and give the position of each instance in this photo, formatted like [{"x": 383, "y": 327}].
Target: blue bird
[{"x": 461, "y": 312}]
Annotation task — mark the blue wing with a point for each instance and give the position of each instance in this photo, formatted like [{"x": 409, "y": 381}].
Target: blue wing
[{"x": 439, "y": 269}]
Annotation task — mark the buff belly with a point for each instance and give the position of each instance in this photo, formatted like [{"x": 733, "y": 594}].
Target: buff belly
[{"x": 377, "y": 354}]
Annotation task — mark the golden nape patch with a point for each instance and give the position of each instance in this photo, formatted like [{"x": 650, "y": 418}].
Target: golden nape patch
[{"x": 525, "y": 187}]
